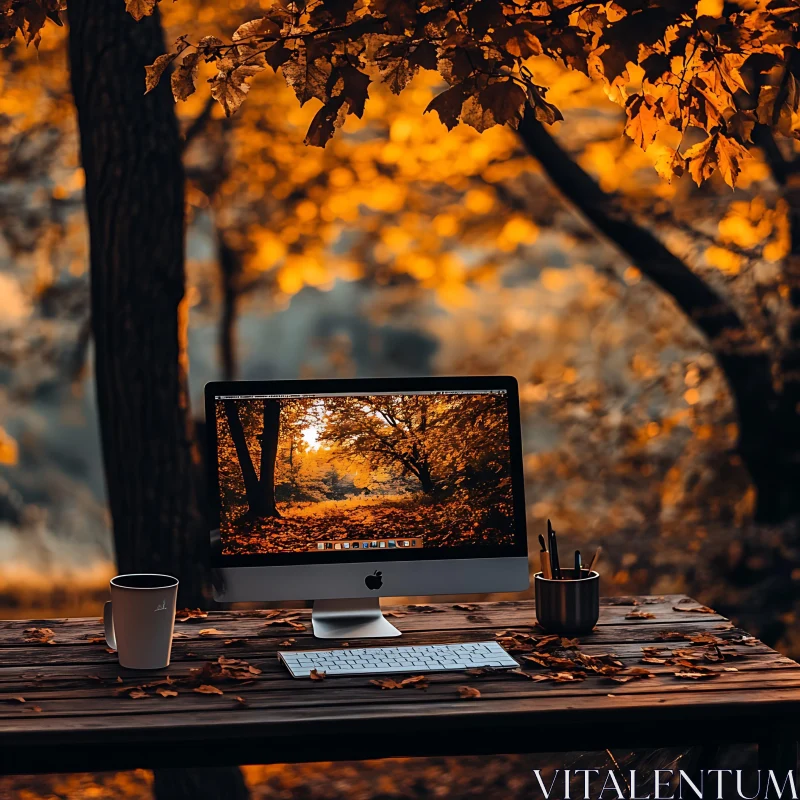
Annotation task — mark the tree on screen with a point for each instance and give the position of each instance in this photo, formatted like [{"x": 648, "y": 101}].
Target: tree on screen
[{"x": 259, "y": 488}]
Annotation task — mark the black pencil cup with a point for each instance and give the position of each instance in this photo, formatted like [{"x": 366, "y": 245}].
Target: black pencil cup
[{"x": 569, "y": 606}]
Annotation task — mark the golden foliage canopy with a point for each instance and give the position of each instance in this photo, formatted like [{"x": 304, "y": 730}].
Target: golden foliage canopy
[{"x": 667, "y": 62}]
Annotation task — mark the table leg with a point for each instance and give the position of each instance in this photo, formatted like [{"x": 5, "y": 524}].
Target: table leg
[{"x": 778, "y": 752}]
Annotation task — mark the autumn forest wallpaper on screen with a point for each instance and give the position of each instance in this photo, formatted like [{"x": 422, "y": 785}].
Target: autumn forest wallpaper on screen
[{"x": 296, "y": 471}]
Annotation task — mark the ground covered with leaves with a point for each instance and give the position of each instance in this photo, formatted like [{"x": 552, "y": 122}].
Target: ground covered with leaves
[{"x": 459, "y": 521}]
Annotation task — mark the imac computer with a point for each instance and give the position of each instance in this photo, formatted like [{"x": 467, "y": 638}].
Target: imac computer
[{"x": 345, "y": 491}]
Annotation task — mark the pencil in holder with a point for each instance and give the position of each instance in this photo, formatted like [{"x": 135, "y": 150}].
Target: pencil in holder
[{"x": 569, "y": 605}]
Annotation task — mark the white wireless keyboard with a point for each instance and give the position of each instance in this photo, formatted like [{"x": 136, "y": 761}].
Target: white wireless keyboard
[{"x": 383, "y": 660}]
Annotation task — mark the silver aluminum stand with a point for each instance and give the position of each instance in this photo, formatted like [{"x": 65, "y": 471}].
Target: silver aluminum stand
[{"x": 346, "y": 619}]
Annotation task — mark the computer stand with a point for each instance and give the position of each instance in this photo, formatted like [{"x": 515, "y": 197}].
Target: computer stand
[{"x": 346, "y": 619}]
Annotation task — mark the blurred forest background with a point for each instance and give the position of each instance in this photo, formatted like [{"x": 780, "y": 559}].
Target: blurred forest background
[{"x": 405, "y": 249}]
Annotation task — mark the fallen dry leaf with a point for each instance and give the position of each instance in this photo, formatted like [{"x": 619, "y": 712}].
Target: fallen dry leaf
[
  {"x": 206, "y": 689},
  {"x": 316, "y": 675},
  {"x": 479, "y": 672},
  {"x": 137, "y": 694},
  {"x": 416, "y": 682},
  {"x": 288, "y": 643},
  {"x": 640, "y": 615},
  {"x": 729, "y": 669},
  {"x": 468, "y": 693},
  {"x": 166, "y": 692},
  {"x": 230, "y": 642},
  {"x": 39, "y": 636},
  {"x": 95, "y": 639},
  {"x": 394, "y": 613},
  {"x": 211, "y": 632},
  {"x": 240, "y": 701},
  {"x": 423, "y": 609},
  {"x": 187, "y": 614},
  {"x": 633, "y": 674},
  {"x": 467, "y": 607},
  {"x": 694, "y": 675},
  {"x": 705, "y": 638},
  {"x": 528, "y": 675},
  {"x": 34, "y": 709},
  {"x": 671, "y": 636},
  {"x": 16, "y": 699},
  {"x": 695, "y": 610},
  {"x": 652, "y": 660}
]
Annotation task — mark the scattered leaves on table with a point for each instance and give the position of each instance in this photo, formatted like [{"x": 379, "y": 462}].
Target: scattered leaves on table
[
  {"x": 316, "y": 675},
  {"x": 467, "y": 607},
  {"x": 231, "y": 642},
  {"x": 211, "y": 632},
  {"x": 468, "y": 693},
  {"x": 640, "y": 615},
  {"x": 695, "y": 610},
  {"x": 288, "y": 643},
  {"x": 164, "y": 692},
  {"x": 240, "y": 702}
]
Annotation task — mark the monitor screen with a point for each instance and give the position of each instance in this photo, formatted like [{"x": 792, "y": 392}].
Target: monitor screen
[{"x": 363, "y": 474}]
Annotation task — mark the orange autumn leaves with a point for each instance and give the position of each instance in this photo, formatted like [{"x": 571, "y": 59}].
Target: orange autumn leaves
[{"x": 670, "y": 65}]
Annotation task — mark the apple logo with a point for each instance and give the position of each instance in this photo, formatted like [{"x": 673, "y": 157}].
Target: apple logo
[{"x": 374, "y": 581}]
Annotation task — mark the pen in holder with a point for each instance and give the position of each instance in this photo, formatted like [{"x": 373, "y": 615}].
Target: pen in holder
[{"x": 570, "y": 605}]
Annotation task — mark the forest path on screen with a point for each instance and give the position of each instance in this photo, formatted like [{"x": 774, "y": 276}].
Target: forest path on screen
[{"x": 296, "y": 471}]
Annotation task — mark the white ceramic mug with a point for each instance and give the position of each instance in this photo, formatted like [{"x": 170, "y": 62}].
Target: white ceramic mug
[{"x": 140, "y": 618}]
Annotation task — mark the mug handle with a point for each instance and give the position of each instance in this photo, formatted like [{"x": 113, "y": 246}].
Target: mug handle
[{"x": 108, "y": 624}]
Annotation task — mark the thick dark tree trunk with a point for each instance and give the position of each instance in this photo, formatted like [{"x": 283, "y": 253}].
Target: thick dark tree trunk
[
  {"x": 782, "y": 496},
  {"x": 269, "y": 453},
  {"x": 426, "y": 480},
  {"x": 259, "y": 489},
  {"x": 743, "y": 360},
  {"x": 134, "y": 202},
  {"x": 131, "y": 156},
  {"x": 230, "y": 270}
]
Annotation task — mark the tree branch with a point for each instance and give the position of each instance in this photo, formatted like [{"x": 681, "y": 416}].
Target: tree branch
[
  {"x": 710, "y": 312},
  {"x": 743, "y": 360},
  {"x": 196, "y": 126}
]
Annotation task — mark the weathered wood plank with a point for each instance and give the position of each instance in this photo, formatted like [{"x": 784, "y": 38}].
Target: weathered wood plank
[{"x": 82, "y": 724}]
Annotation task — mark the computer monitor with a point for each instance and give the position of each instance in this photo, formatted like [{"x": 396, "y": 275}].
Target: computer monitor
[{"x": 345, "y": 491}]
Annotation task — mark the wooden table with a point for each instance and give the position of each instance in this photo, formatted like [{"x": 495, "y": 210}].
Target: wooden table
[{"x": 78, "y": 714}]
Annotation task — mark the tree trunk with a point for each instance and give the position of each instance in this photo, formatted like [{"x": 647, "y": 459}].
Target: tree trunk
[
  {"x": 211, "y": 783},
  {"x": 130, "y": 151},
  {"x": 269, "y": 453},
  {"x": 782, "y": 497},
  {"x": 249, "y": 476},
  {"x": 230, "y": 269},
  {"x": 131, "y": 156},
  {"x": 744, "y": 362}
]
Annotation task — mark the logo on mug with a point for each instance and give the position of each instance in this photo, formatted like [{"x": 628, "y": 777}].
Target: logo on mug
[{"x": 162, "y": 606}]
